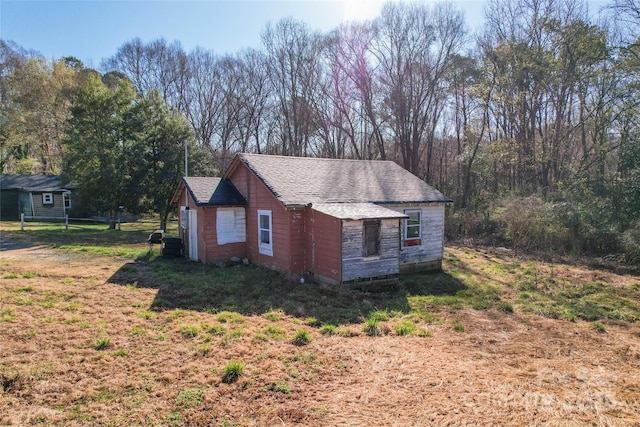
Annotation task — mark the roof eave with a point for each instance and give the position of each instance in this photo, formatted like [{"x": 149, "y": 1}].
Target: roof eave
[{"x": 175, "y": 199}]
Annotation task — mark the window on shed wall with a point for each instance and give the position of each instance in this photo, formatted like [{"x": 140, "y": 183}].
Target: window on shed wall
[
  {"x": 412, "y": 228},
  {"x": 47, "y": 198},
  {"x": 67, "y": 200},
  {"x": 371, "y": 238},
  {"x": 265, "y": 242}
]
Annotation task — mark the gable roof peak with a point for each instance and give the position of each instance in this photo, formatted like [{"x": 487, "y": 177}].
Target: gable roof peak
[{"x": 211, "y": 191}]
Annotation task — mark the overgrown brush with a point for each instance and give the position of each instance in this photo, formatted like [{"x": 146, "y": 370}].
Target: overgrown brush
[{"x": 631, "y": 244}]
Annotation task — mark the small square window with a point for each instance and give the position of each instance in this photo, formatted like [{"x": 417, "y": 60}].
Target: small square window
[{"x": 47, "y": 198}]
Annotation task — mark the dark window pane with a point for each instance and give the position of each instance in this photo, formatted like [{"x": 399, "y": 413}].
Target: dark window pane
[
  {"x": 413, "y": 232},
  {"x": 414, "y": 218},
  {"x": 412, "y": 225},
  {"x": 372, "y": 238},
  {"x": 264, "y": 222}
]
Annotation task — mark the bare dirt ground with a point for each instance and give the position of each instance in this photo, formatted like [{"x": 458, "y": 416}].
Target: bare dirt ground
[{"x": 504, "y": 369}]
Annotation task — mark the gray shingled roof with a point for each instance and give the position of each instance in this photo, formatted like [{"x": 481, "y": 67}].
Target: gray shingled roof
[
  {"x": 213, "y": 191},
  {"x": 45, "y": 183},
  {"x": 357, "y": 211},
  {"x": 303, "y": 180}
]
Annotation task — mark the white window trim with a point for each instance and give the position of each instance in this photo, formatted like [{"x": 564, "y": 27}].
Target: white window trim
[
  {"x": 263, "y": 248},
  {"x": 47, "y": 198},
  {"x": 406, "y": 225}
]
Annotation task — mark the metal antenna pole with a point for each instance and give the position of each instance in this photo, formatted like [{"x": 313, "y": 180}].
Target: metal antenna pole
[{"x": 186, "y": 159}]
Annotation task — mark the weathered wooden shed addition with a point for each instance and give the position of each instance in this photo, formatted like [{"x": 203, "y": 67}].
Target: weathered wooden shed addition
[
  {"x": 33, "y": 195},
  {"x": 365, "y": 246},
  {"x": 335, "y": 221}
]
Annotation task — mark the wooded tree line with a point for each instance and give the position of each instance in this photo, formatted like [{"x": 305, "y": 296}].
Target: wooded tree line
[{"x": 531, "y": 124}]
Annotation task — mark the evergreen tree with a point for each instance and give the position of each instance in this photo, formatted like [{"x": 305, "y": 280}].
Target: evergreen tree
[{"x": 95, "y": 146}]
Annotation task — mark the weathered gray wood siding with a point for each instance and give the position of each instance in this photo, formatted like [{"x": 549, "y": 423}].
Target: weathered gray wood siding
[
  {"x": 354, "y": 265},
  {"x": 432, "y": 241}
]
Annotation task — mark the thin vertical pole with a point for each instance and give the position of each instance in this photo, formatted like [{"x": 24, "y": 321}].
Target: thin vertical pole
[
  {"x": 22, "y": 221},
  {"x": 186, "y": 159},
  {"x": 66, "y": 221}
]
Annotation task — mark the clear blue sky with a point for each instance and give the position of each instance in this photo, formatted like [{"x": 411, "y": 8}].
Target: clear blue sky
[{"x": 93, "y": 30}]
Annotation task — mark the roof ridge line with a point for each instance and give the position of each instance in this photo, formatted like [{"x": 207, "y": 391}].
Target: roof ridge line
[{"x": 315, "y": 158}]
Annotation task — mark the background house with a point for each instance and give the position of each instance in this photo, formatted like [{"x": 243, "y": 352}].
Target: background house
[
  {"x": 33, "y": 195},
  {"x": 338, "y": 221}
]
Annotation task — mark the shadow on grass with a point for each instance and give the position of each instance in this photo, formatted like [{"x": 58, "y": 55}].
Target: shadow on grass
[
  {"x": 7, "y": 244},
  {"x": 79, "y": 235},
  {"x": 253, "y": 290}
]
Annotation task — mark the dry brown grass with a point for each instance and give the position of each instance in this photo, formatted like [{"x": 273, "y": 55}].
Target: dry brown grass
[{"x": 504, "y": 369}]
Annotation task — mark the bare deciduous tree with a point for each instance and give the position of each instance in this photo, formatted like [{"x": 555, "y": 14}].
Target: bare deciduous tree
[
  {"x": 414, "y": 46},
  {"x": 293, "y": 63}
]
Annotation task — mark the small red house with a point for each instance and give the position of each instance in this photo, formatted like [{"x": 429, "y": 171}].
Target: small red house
[{"x": 335, "y": 221}]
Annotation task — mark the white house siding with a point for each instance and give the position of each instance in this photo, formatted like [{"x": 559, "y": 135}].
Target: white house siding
[
  {"x": 355, "y": 266},
  {"x": 431, "y": 249}
]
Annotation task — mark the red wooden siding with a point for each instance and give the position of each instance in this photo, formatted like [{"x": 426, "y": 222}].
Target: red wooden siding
[
  {"x": 209, "y": 251},
  {"x": 303, "y": 240},
  {"x": 283, "y": 229},
  {"x": 323, "y": 247},
  {"x": 297, "y": 239}
]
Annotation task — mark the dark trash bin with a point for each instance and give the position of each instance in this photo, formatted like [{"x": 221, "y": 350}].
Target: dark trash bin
[{"x": 171, "y": 247}]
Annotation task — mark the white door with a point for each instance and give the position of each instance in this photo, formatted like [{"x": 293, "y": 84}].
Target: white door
[{"x": 193, "y": 234}]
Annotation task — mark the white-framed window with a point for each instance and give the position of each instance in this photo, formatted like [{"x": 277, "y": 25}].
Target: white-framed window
[
  {"x": 412, "y": 228},
  {"x": 67, "y": 199},
  {"x": 371, "y": 238},
  {"x": 265, "y": 234},
  {"x": 47, "y": 198}
]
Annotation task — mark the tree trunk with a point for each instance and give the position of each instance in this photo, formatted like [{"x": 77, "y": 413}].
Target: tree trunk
[
  {"x": 113, "y": 219},
  {"x": 164, "y": 218}
]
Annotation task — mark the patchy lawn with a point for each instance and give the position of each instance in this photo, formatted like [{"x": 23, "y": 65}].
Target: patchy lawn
[{"x": 94, "y": 330}]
